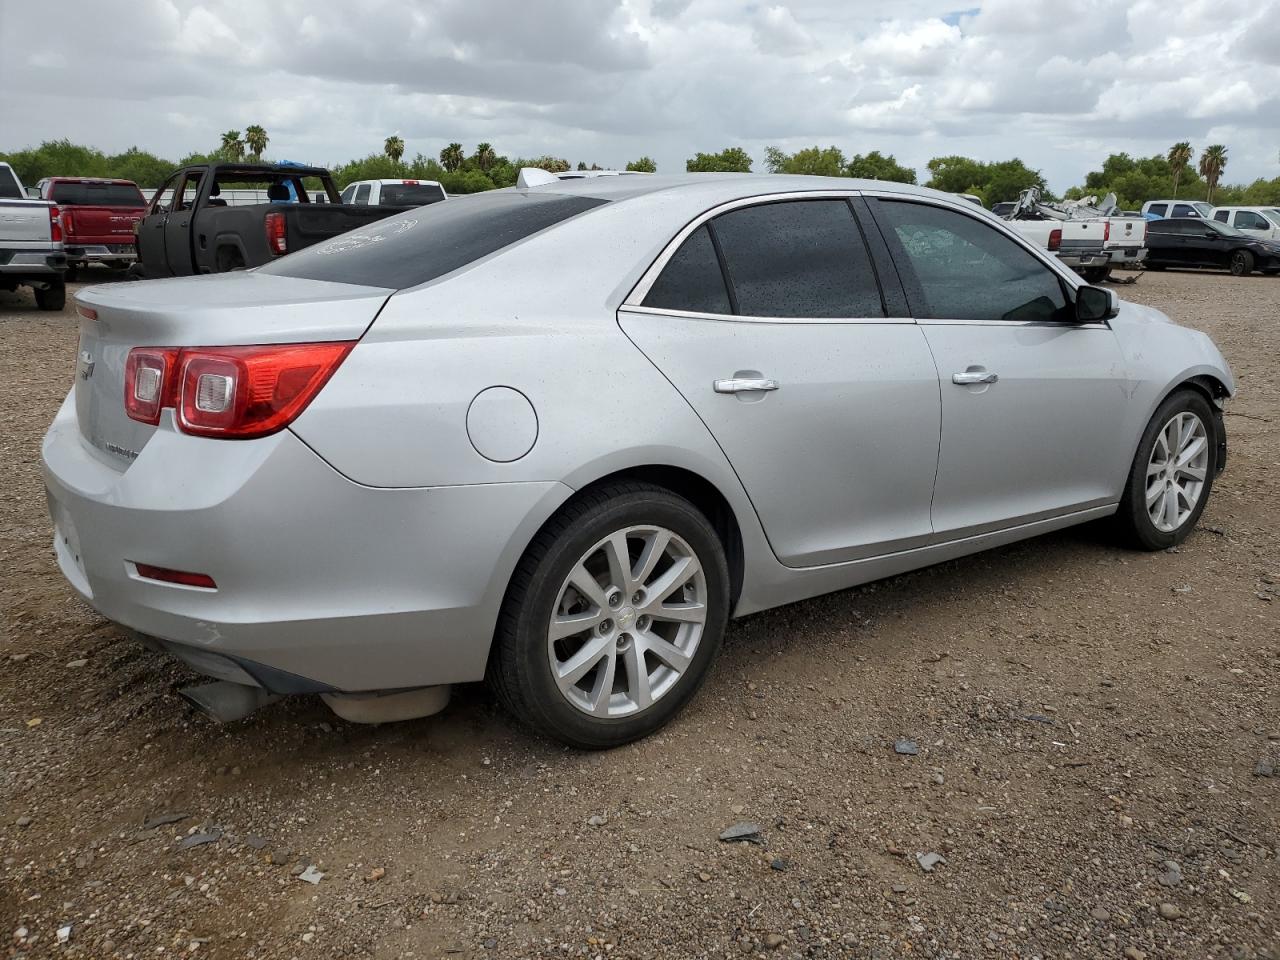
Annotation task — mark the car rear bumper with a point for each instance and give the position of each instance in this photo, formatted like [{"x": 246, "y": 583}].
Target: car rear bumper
[
  {"x": 322, "y": 583},
  {"x": 36, "y": 264},
  {"x": 1081, "y": 259},
  {"x": 1126, "y": 256}
]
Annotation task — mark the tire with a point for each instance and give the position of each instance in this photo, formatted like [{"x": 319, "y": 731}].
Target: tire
[
  {"x": 572, "y": 546},
  {"x": 1135, "y": 519},
  {"x": 53, "y": 297},
  {"x": 1095, "y": 274},
  {"x": 229, "y": 259},
  {"x": 71, "y": 274},
  {"x": 1241, "y": 263}
]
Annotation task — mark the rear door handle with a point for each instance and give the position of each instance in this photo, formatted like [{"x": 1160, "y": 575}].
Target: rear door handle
[
  {"x": 974, "y": 376},
  {"x": 744, "y": 385}
]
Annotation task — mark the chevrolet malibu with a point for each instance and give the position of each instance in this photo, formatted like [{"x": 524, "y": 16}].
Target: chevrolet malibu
[{"x": 556, "y": 436}]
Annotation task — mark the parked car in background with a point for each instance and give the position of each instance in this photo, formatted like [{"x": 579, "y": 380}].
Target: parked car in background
[
  {"x": 1188, "y": 242},
  {"x": 31, "y": 251},
  {"x": 98, "y": 219},
  {"x": 1178, "y": 208},
  {"x": 592, "y": 174},
  {"x": 557, "y": 436},
  {"x": 394, "y": 193},
  {"x": 189, "y": 228},
  {"x": 1260, "y": 222}
]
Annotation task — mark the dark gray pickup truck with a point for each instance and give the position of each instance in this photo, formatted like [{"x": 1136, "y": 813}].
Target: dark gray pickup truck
[{"x": 205, "y": 218}]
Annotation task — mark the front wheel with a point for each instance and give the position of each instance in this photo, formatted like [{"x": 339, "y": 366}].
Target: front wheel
[
  {"x": 1172, "y": 474},
  {"x": 613, "y": 617},
  {"x": 1241, "y": 263}
]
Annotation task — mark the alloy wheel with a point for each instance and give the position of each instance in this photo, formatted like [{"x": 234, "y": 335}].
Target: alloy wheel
[
  {"x": 1176, "y": 471},
  {"x": 627, "y": 621}
]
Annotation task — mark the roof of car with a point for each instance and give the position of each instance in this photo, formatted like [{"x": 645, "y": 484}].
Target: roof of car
[
  {"x": 723, "y": 187},
  {"x": 259, "y": 169}
]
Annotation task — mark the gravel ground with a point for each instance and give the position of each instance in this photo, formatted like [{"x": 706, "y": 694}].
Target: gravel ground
[{"x": 1094, "y": 729}]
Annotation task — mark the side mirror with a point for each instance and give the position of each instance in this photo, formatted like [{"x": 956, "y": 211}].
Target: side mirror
[
  {"x": 1095, "y": 304},
  {"x": 1211, "y": 234}
]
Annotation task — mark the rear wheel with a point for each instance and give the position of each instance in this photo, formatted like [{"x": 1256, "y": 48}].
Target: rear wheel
[
  {"x": 52, "y": 297},
  {"x": 1241, "y": 263},
  {"x": 1095, "y": 274},
  {"x": 613, "y": 617},
  {"x": 1172, "y": 474},
  {"x": 230, "y": 259},
  {"x": 71, "y": 274}
]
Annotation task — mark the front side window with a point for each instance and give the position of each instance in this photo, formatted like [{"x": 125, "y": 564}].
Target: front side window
[
  {"x": 1248, "y": 220},
  {"x": 967, "y": 270},
  {"x": 1184, "y": 210},
  {"x": 692, "y": 279}
]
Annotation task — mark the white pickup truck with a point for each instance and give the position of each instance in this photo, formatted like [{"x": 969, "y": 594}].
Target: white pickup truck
[
  {"x": 31, "y": 251},
  {"x": 394, "y": 193},
  {"x": 1084, "y": 237}
]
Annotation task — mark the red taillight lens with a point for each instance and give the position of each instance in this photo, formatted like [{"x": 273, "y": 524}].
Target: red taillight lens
[
  {"x": 233, "y": 392},
  {"x": 165, "y": 575},
  {"x": 1106, "y": 230},
  {"x": 1055, "y": 239},
  {"x": 276, "y": 242},
  {"x": 149, "y": 382},
  {"x": 55, "y": 225}
]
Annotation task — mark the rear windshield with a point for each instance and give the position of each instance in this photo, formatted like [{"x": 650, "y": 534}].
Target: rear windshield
[
  {"x": 97, "y": 195},
  {"x": 410, "y": 194},
  {"x": 427, "y": 242}
]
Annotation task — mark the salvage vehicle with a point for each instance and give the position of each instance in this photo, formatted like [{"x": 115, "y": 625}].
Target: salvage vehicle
[
  {"x": 557, "y": 436},
  {"x": 1187, "y": 242},
  {"x": 31, "y": 250},
  {"x": 190, "y": 229},
  {"x": 1260, "y": 222},
  {"x": 394, "y": 193},
  {"x": 98, "y": 219},
  {"x": 1179, "y": 208},
  {"x": 1088, "y": 235}
]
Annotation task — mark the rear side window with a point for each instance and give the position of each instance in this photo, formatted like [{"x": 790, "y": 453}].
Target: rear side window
[
  {"x": 97, "y": 195},
  {"x": 362, "y": 193},
  {"x": 427, "y": 242},
  {"x": 691, "y": 280},
  {"x": 1159, "y": 209},
  {"x": 9, "y": 185},
  {"x": 964, "y": 269},
  {"x": 799, "y": 258},
  {"x": 349, "y": 193},
  {"x": 1221, "y": 215}
]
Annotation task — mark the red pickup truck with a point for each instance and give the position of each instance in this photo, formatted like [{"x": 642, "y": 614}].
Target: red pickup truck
[{"x": 98, "y": 219}]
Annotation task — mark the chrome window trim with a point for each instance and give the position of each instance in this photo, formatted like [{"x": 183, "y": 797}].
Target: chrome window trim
[
  {"x": 737, "y": 317},
  {"x": 641, "y": 290},
  {"x": 1066, "y": 324}
]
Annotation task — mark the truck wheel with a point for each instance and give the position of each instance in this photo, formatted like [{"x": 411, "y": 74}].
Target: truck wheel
[
  {"x": 1095, "y": 274},
  {"x": 71, "y": 273},
  {"x": 229, "y": 259},
  {"x": 1241, "y": 263},
  {"x": 52, "y": 297}
]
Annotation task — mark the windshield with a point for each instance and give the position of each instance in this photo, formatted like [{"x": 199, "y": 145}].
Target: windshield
[
  {"x": 1206, "y": 209},
  {"x": 97, "y": 195},
  {"x": 410, "y": 194},
  {"x": 1273, "y": 216},
  {"x": 427, "y": 242}
]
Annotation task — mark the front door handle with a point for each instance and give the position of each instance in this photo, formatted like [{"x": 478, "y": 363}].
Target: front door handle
[
  {"x": 974, "y": 376},
  {"x": 744, "y": 385}
]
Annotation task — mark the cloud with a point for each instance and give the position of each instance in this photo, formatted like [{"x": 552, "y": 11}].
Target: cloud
[{"x": 1060, "y": 83}]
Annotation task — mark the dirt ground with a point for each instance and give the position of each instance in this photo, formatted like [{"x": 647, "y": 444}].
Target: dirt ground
[{"x": 1094, "y": 728}]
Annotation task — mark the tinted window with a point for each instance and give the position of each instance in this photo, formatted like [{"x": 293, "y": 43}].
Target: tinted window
[
  {"x": 967, "y": 270},
  {"x": 1220, "y": 215},
  {"x": 1163, "y": 226},
  {"x": 691, "y": 280},
  {"x": 349, "y": 193},
  {"x": 1249, "y": 220},
  {"x": 427, "y": 242},
  {"x": 1159, "y": 209},
  {"x": 362, "y": 193},
  {"x": 97, "y": 194},
  {"x": 1184, "y": 210},
  {"x": 9, "y": 185},
  {"x": 410, "y": 194},
  {"x": 801, "y": 258}
]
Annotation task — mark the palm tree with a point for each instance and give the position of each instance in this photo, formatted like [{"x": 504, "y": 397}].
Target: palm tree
[
  {"x": 394, "y": 148},
  {"x": 255, "y": 137},
  {"x": 451, "y": 157},
  {"x": 485, "y": 157},
  {"x": 232, "y": 145},
  {"x": 1212, "y": 162},
  {"x": 1180, "y": 155}
]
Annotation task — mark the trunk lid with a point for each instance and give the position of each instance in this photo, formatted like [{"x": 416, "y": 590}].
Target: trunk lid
[
  {"x": 220, "y": 310},
  {"x": 85, "y": 225}
]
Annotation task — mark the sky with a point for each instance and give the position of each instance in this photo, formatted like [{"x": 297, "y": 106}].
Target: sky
[{"x": 1058, "y": 83}]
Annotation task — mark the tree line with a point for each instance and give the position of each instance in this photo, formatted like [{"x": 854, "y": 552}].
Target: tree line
[{"x": 1133, "y": 180}]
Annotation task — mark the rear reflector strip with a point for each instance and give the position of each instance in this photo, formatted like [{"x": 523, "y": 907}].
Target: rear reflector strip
[
  {"x": 180, "y": 577},
  {"x": 88, "y": 313}
]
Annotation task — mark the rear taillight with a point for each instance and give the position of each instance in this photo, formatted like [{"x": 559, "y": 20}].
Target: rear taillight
[
  {"x": 1106, "y": 230},
  {"x": 276, "y": 241},
  {"x": 181, "y": 577},
  {"x": 87, "y": 313},
  {"x": 68, "y": 223},
  {"x": 233, "y": 392},
  {"x": 1055, "y": 239},
  {"x": 55, "y": 225}
]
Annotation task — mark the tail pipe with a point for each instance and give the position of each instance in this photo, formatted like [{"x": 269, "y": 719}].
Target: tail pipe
[{"x": 227, "y": 702}]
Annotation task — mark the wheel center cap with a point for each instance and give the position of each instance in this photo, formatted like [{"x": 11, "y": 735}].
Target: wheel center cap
[{"x": 626, "y": 618}]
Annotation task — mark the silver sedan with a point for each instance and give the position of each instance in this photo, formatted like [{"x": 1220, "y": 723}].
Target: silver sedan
[{"x": 555, "y": 436}]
